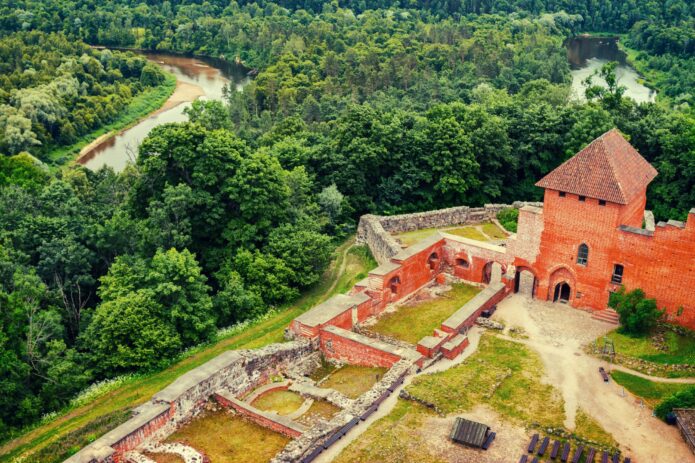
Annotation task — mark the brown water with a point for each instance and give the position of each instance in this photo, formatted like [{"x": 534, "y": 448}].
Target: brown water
[
  {"x": 197, "y": 78},
  {"x": 587, "y": 54}
]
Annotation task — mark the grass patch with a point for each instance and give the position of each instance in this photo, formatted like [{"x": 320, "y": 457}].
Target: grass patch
[
  {"x": 412, "y": 237},
  {"x": 412, "y": 322},
  {"x": 467, "y": 232},
  {"x": 226, "y": 438},
  {"x": 588, "y": 428},
  {"x": 493, "y": 231},
  {"x": 141, "y": 388},
  {"x": 322, "y": 371},
  {"x": 319, "y": 410},
  {"x": 141, "y": 105},
  {"x": 353, "y": 380},
  {"x": 392, "y": 439},
  {"x": 650, "y": 391},
  {"x": 279, "y": 401},
  {"x": 358, "y": 263},
  {"x": 502, "y": 374},
  {"x": 660, "y": 350}
]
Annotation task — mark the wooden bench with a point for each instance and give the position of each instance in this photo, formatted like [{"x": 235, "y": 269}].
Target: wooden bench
[
  {"x": 590, "y": 455},
  {"x": 555, "y": 450},
  {"x": 523, "y": 459},
  {"x": 604, "y": 457},
  {"x": 616, "y": 458},
  {"x": 488, "y": 440},
  {"x": 604, "y": 375},
  {"x": 578, "y": 454},
  {"x": 532, "y": 444},
  {"x": 544, "y": 446},
  {"x": 565, "y": 452}
]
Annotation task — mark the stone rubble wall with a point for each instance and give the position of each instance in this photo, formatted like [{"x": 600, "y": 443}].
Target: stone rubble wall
[
  {"x": 307, "y": 447},
  {"x": 234, "y": 371},
  {"x": 376, "y": 230}
]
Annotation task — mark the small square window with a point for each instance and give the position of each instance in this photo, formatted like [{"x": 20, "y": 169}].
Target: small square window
[
  {"x": 563, "y": 194},
  {"x": 601, "y": 202},
  {"x": 582, "y": 198}
]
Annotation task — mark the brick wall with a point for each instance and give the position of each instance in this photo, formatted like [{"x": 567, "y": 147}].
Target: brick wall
[
  {"x": 274, "y": 423},
  {"x": 355, "y": 349}
]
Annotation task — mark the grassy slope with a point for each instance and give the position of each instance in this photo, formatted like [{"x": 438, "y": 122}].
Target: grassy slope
[
  {"x": 650, "y": 391},
  {"x": 140, "y": 107},
  {"x": 139, "y": 390}
]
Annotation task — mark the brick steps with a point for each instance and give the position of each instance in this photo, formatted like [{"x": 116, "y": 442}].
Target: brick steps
[{"x": 607, "y": 315}]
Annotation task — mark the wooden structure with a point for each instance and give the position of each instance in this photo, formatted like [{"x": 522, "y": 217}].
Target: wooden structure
[{"x": 469, "y": 433}]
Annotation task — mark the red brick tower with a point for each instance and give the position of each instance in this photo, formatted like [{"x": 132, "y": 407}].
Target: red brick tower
[{"x": 593, "y": 239}]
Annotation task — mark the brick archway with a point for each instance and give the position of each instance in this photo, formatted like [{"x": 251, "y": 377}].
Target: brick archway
[
  {"x": 521, "y": 283},
  {"x": 491, "y": 273},
  {"x": 562, "y": 283}
]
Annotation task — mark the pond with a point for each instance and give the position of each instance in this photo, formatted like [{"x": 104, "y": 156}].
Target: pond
[
  {"x": 196, "y": 78},
  {"x": 587, "y": 54}
]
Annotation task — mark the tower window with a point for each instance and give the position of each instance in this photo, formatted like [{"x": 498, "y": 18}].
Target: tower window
[
  {"x": 583, "y": 254},
  {"x": 601, "y": 202},
  {"x": 563, "y": 194},
  {"x": 617, "y": 276},
  {"x": 582, "y": 198}
]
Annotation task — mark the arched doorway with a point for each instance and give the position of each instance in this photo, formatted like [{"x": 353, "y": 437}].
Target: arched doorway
[
  {"x": 525, "y": 282},
  {"x": 562, "y": 292},
  {"x": 433, "y": 261}
]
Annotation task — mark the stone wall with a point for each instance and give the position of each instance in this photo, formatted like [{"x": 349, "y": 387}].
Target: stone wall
[
  {"x": 376, "y": 230},
  {"x": 232, "y": 371}
]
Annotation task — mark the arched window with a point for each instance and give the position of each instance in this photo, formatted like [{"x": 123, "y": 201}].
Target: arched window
[
  {"x": 394, "y": 283},
  {"x": 583, "y": 254},
  {"x": 463, "y": 263}
]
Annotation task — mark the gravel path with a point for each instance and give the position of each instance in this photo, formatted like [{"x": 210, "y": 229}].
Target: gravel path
[{"x": 558, "y": 332}]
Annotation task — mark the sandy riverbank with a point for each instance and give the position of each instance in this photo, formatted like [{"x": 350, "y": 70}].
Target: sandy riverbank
[{"x": 183, "y": 93}]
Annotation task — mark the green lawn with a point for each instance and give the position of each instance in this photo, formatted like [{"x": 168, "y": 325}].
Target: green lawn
[
  {"x": 662, "y": 349},
  {"x": 493, "y": 231},
  {"x": 281, "y": 402},
  {"x": 468, "y": 231},
  {"x": 319, "y": 410},
  {"x": 226, "y": 438},
  {"x": 353, "y": 380},
  {"x": 357, "y": 265},
  {"x": 83, "y": 424},
  {"x": 502, "y": 374},
  {"x": 652, "y": 392},
  {"x": 412, "y": 322}
]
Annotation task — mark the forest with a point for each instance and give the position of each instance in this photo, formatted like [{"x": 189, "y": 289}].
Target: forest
[{"x": 358, "y": 107}]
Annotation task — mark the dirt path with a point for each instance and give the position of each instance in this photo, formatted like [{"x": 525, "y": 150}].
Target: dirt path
[{"x": 557, "y": 333}]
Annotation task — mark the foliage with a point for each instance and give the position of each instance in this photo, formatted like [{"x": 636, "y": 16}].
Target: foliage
[
  {"x": 651, "y": 391},
  {"x": 638, "y": 315},
  {"x": 681, "y": 399},
  {"x": 509, "y": 218}
]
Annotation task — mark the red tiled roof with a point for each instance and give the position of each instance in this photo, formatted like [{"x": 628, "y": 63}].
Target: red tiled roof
[{"x": 609, "y": 168}]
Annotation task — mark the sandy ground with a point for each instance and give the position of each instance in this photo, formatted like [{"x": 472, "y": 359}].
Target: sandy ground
[
  {"x": 557, "y": 333},
  {"x": 510, "y": 440},
  {"x": 183, "y": 93}
]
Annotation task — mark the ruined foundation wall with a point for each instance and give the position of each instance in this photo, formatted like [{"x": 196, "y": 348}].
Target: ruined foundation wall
[
  {"x": 233, "y": 371},
  {"x": 376, "y": 230}
]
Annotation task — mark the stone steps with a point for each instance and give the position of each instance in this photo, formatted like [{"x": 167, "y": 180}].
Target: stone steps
[{"x": 607, "y": 315}]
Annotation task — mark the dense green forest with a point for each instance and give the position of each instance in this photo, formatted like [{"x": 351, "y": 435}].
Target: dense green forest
[
  {"x": 54, "y": 90},
  {"x": 358, "y": 106}
]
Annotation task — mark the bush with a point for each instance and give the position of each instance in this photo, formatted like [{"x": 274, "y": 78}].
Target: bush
[
  {"x": 638, "y": 315},
  {"x": 681, "y": 399},
  {"x": 509, "y": 218}
]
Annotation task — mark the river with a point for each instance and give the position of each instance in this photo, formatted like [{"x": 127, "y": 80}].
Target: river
[
  {"x": 196, "y": 78},
  {"x": 587, "y": 54}
]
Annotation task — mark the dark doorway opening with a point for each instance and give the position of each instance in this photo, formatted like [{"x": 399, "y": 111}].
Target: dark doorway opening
[{"x": 562, "y": 293}]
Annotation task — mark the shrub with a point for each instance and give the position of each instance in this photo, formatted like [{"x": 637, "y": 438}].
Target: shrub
[
  {"x": 681, "y": 399},
  {"x": 638, "y": 315},
  {"x": 509, "y": 218}
]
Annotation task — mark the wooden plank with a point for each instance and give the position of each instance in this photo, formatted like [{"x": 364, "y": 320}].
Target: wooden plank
[
  {"x": 590, "y": 455},
  {"x": 532, "y": 444},
  {"x": 578, "y": 454},
  {"x": 565, "y": 452},
  {"x": 488, "y": 440},
  {"x": 544, "y": 446},
  {"x": 523, "y": 459},
  {"x": 555, "y": 450}
]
